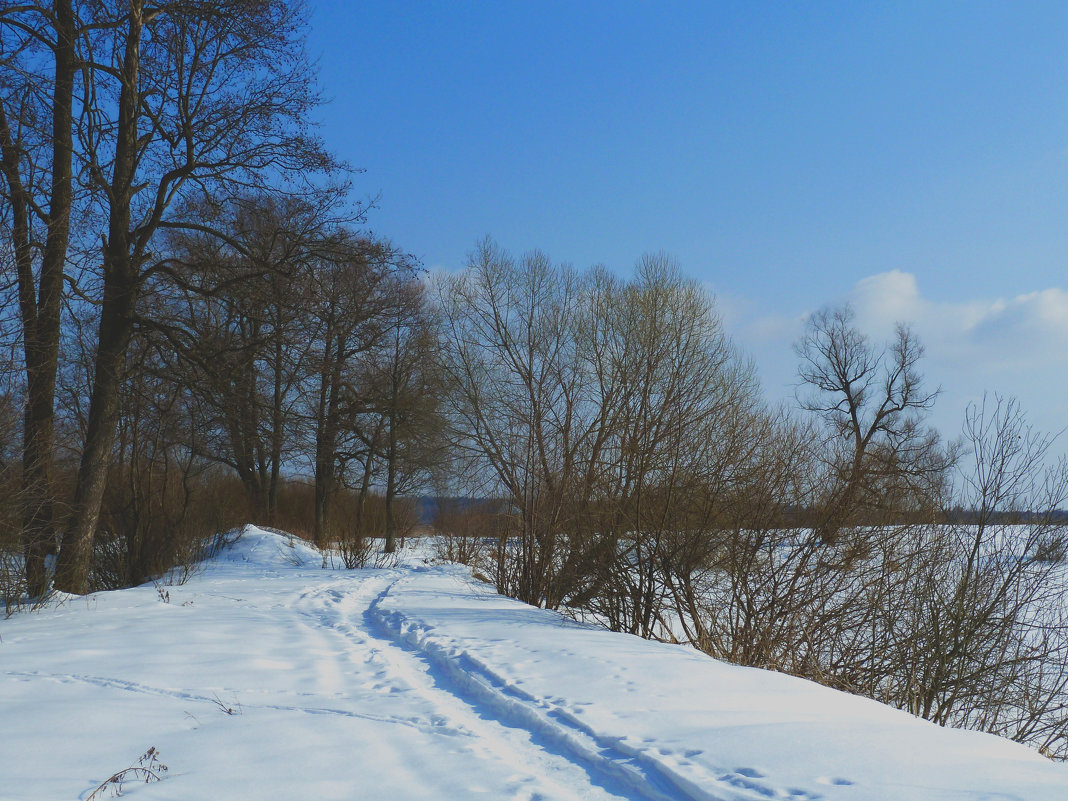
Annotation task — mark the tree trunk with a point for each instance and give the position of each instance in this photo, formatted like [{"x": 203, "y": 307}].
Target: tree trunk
[
  {"x": 324, "y": 492},
  {"x": 391, "y": 487},
  {"x": 325, "y": 439},
  {"x": 40, "y": 313},
  {"x": 116, "y": 327},
  {"x": 277, "y": 418},
  {"x": 121, "y": 283},
  {"x": 326, "y": 434},
  {"x": 38, "y": 415},
  {"x": 842, "y": 508}
]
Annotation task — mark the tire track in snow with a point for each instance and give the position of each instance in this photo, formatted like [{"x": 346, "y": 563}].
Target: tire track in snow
[
  {"x": 559, "y": 771},
  {"x": 610, "y": 756},
  {"x": 466, "y": 680}
]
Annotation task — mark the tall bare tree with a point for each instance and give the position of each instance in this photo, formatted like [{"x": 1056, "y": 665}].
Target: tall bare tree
[
  {"x": 873, "y": 401},
  {"x": 234, "y": 307},
  {"x": 355, "y": 299},
  {"x": 516, "y": 382},
  {"x": 407, "y": 384},
  {"x": 594, "y": 406},
  {"x": 184, "y": 99},
  {"x": 675, "y": 382},
  {"x": 37, "y": 81}
]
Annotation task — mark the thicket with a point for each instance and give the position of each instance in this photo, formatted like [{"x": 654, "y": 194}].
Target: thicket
[
  {"x": 643, "y": 483},
  {"x": 198, "y": 331},
  {"x": 188, "y": 296}
]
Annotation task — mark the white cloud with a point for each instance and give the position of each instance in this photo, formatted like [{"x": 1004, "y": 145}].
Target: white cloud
[
  {"x": 887, "y": 298},
  {"x": 1011, "y": 346},
  {"x": 1039, "y": 317}
]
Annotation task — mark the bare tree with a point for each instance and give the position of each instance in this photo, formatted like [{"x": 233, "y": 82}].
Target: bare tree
[
  {"x": 595, "y": 407},
  {"x": 407, "y": 382},
  {"x": 516, "y": 381},
  {"x": 37, "y": 81},
  {"x": 234, "y": 308},
  {"x": 157, "y": 510},
  {"x": 354, "y": 301},
  {"x": 671, "y": 387},
  {"x": 182, "y": 99},
  {"x": 873, "y": 401}
]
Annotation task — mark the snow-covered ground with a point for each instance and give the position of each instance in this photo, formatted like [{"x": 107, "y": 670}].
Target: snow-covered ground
[{"x": 268, "y": 677}]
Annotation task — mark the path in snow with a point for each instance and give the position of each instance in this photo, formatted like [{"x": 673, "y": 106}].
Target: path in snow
[
  {"x": 428, "y": 692},
  {"x": 647, "y": 775}
]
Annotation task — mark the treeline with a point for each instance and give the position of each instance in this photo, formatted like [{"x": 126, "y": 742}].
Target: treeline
[
  {"x": 190, "y": 299},
  {"x": 292, "y": 349},
  {"x": 203, "y": 332},
  {"x": 645, "y": 484}
]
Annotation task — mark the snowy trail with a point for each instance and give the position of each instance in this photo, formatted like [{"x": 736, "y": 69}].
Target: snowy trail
[
  {"x": 651, "y": 775},
  {"x": 434, "y": 691},
  {"x": 267, "y": 676},
  {"x": 309, "y": 683},
  {"x": 466, "y": 678}
]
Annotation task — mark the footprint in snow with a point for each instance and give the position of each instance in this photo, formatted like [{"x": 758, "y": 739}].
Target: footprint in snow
[
  {"x": 834, "y": 781},
  {"x": 745, "y": 778},
  {"x": 803, "y": 795}
]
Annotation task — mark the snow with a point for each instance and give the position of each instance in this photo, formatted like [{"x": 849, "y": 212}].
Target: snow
[{"x": 267, "y": 676}]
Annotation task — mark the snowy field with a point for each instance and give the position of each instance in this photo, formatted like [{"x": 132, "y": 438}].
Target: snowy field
[{"x": 268, "y": 677}]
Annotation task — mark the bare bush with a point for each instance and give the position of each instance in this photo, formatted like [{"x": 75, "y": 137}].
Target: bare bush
[
  {"x": 985, "y": 645},
  {"x": 356, "y": 550},
  {"x": 12, "y": 581},
  {"x": 148, "y": 769},
  {"x": 962, "y": 621},
  {"x": 356, "y": 533},
  {"x": 468, "y": 532}
]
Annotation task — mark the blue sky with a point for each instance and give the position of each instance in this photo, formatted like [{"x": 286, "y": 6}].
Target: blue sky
[{"x": 910, "y": 157}]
